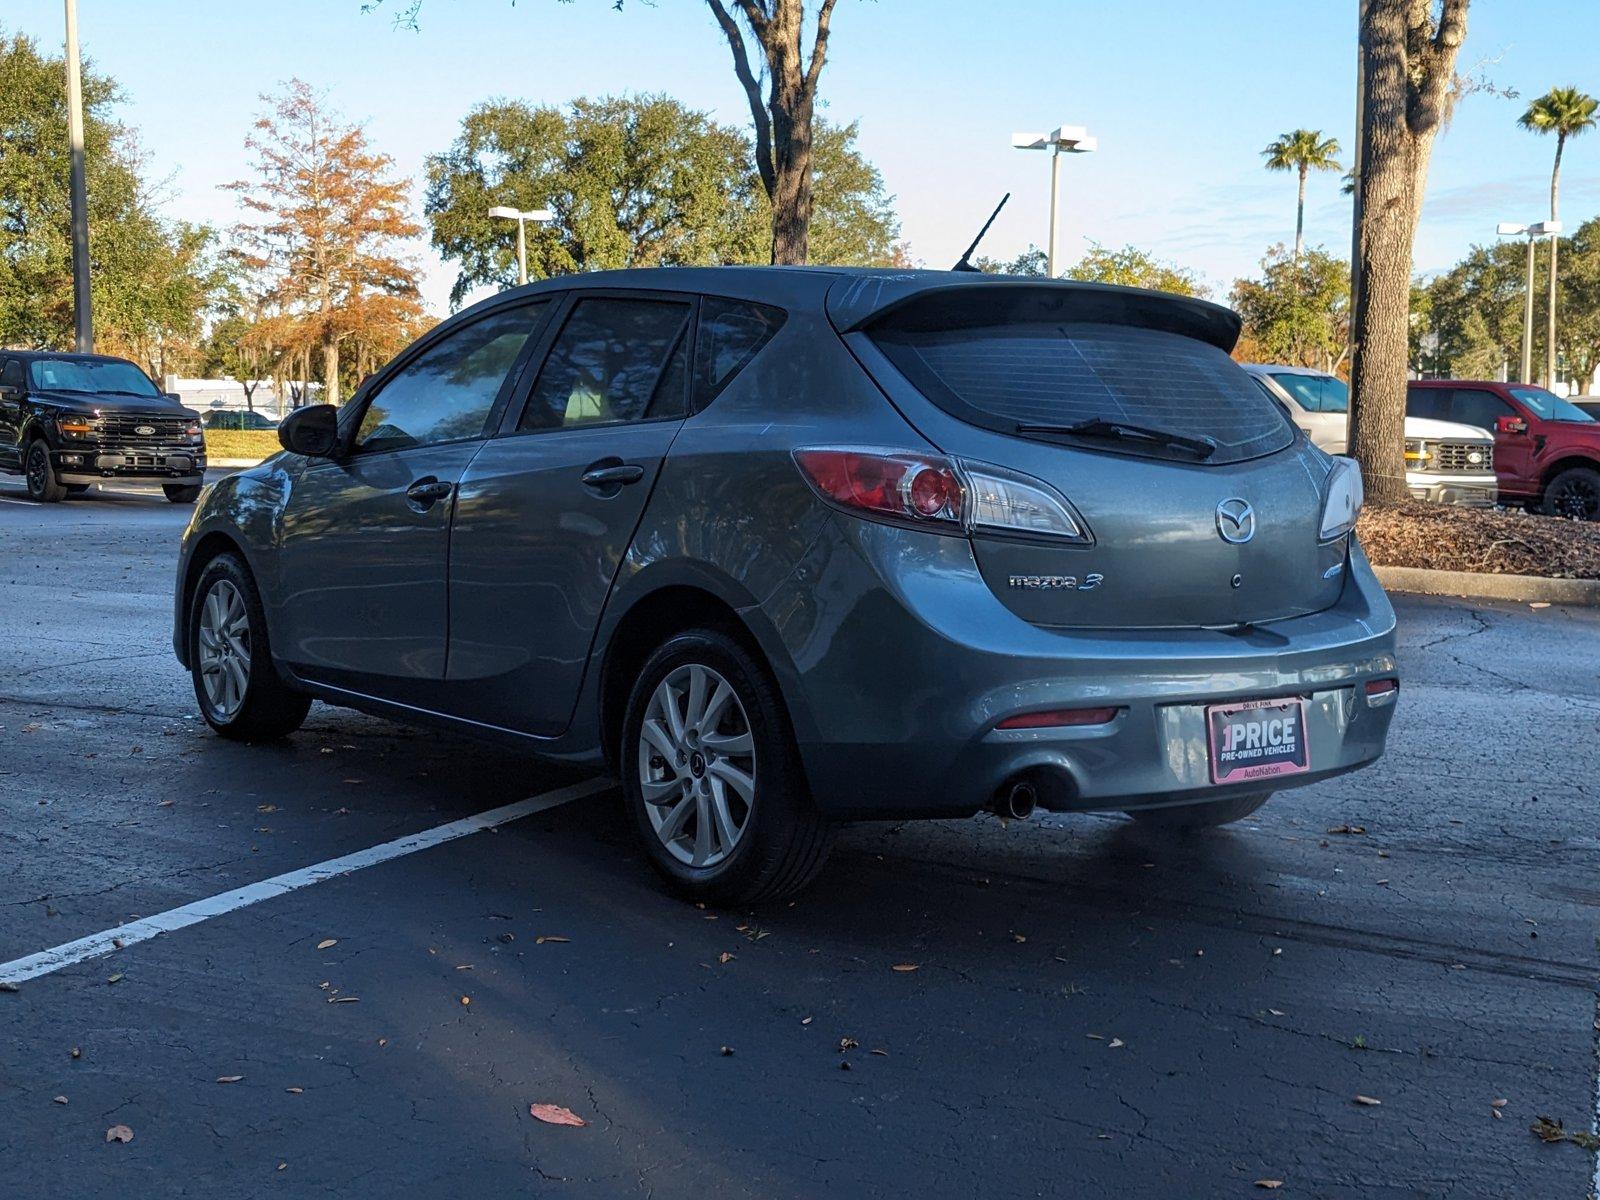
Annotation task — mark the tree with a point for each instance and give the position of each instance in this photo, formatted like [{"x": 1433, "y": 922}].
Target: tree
[
  {"x": 783, "y": 120},
  {"x": 634, "y": 181},
  {"x": 1565, "y": 112},
  {"x": 1132, "y": 267},
  {"x": 151, "y": 279},
  {"x": 1302, "y": 150},
  {"x": 1408, "y": 55},
  {"x": 328, "y": 217},
  {"x": 1032, "y": 261},
  {"x": 1298, "y": 312}
]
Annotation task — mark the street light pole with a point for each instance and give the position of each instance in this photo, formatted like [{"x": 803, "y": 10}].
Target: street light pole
[
  {"x": 506, "y": 212},
  {"x": 1068, "y": 139},
  {"x": 1533, "y": 233},
  {"x": 82, "y": 315}
]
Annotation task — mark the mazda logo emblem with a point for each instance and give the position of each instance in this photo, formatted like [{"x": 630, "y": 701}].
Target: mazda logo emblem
[{"x": 1236, "y": 521}]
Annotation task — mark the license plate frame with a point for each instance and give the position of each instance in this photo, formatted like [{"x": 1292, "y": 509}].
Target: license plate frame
[{"x": 1247, "y": 753}]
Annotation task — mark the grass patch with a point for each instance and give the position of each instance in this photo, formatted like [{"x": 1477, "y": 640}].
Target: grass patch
[
  {"x": 1442, "y": 537},
  {"x": 253, "y": 444}
]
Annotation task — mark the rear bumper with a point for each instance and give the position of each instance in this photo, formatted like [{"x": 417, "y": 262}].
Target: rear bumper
[
  {"x": 1473, "y": 491},
  {"x": 896, "y": 698}
]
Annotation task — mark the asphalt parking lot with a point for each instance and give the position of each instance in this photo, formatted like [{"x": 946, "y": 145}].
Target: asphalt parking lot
[{"x": 1095, "y": 1010}]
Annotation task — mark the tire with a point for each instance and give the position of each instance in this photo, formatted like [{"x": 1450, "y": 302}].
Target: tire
[
  {"x": 1573, "y": 493},
  {"x": 742, "y": 778},
  {"x": 1206, "y": 815},
  {"x": 258, "y": 707},
  {"x": 42, "y": 485},
  {"x": 181, "y": 493}
]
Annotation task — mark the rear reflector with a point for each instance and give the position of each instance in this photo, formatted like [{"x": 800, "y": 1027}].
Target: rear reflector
[
  {"x": 1052, "y": 717},
  {"x": 1382, "y": 687}
]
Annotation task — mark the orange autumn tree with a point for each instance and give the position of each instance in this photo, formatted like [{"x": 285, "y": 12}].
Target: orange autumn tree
[{"x": 322, "y": 239}]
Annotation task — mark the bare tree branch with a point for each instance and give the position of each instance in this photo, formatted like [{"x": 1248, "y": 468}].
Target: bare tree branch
[
  {"x": 752, "y": 90},
  {"x": 819, "y": 49}
]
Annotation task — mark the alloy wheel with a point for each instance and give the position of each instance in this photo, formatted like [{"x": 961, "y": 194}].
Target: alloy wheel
[
  {"x": 224, "y": 648},
  {"x": 1578, "y": 498},
  {"x": 38, "y": 470},
  {"x": 697, "y": 765}
]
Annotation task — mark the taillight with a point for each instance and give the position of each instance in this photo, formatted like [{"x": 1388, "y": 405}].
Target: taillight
[
  {"x": 898, "y": 486},
  {"x": 1344, "y": 500},
  {"x": 1382, "y": 691},
  {"x": 943, "y": 494}
]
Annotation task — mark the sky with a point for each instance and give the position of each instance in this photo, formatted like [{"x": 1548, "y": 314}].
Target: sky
[{"x": 1182, "y": 96}]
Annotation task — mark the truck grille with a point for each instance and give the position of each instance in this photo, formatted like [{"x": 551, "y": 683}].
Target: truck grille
[
  {"x": 123, "y": 429},
  {"x": 1454, "y": 458}
]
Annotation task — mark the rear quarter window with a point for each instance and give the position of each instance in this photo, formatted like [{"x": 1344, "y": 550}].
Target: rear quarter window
[
  {"x": 1061, "y": 373},
  {"x": 732, "y": 333}
]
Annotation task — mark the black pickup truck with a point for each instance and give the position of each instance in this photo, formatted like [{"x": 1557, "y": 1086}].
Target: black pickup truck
[{"x": 69, "y": 420}]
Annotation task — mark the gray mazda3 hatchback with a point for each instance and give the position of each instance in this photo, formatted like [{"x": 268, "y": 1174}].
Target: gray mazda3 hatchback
[{"x": 781, "y": 547}]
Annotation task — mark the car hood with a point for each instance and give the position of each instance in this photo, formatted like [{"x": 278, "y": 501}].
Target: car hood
[
  {"x": 155, "y": 406},
  {"x": 1432, "y": 430}
]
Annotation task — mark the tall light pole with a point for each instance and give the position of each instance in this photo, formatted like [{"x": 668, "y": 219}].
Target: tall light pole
[
  {"x": 82, "y": 316},
  {"x": 1533, "y": 233},
  {"x": 506, "y": 212},
  {"x": 1068, "y": 139}
]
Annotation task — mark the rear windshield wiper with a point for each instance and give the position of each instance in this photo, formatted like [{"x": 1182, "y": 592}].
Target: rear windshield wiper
[{"x": 1120, "y": 431}]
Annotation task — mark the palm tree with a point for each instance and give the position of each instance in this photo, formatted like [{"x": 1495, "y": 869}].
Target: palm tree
[
  {"x": 1303, "y": 150},
  {"x": 1565, "y": 112}
]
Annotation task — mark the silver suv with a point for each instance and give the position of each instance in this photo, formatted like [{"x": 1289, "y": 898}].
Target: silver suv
[{"x": 783, "y": 547}]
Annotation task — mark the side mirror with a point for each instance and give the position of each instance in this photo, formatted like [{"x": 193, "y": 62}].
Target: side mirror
[
  {"x": 10, "y": 391},
  {"x": 312, "y": 431},
  {"x": 1510, "y": 425}
]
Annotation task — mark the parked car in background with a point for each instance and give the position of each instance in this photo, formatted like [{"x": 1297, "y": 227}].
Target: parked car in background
[
  {"x": 1589, "y": 404},
  {"x": 789, "y": 546},
  {"x": 238, "y": 419},
  {"x": 1547, "y": 450},
  {"x": 1449, "y": 462},
  {"x": 71, "y": 420}
]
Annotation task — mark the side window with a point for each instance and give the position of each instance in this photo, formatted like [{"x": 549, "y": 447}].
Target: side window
[
  {"x": 615, "y": 361},
  {"x": 1473, "y": 406},
  {"x": 11, "y": 373},
  {"x": 1432, "y": 403},
  {"x": 446, "y": 393},
  {"x": 732, "y": 332}
]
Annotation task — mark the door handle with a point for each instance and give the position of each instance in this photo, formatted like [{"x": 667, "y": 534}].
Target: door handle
[
  {"x": 612, "y": 475},
  {"x": 427, "y": 491}
]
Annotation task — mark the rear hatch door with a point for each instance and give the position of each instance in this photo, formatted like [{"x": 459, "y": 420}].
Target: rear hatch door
[{"x": 1180, "y": 538}]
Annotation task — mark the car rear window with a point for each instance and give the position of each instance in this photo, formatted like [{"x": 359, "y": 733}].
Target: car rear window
[{"x": 1062, "y": 373}]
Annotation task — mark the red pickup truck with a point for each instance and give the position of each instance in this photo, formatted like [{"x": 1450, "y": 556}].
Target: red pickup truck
[{"x": 1546, "y": 449}]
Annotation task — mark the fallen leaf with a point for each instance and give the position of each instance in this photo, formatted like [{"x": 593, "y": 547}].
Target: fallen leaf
[
  {"x": 1271, "y": 1185},
  {"x": 724, "y": 957},
  {"x": 1539, "y": 604},
  {"x": 119, "y": 1133},
  {"x": 327, "y": 943},
  {"x": 7, "y": 986},
  {"x": 466, "y": 1000},
  {"x": 343, "y": 999},
  {"x": 903, "y": 967},
  {"x": 881, "y": 1053},
  {"x": 1114, "y": 1043},
  {"x": 1367, "y": 1100},
  {"x": 283, "y": 1166},
  {"x": 60, "y": 1099},
  {"x": 554, "y": 1114},
  {"x": 117, "y": 978},
  {"x": 266, "y": 808},
  {"x": 294, "y": 1091},
  {"x": 1275, "y": 1012},
  {"x": 1498, "y": 1103},
  {"x": 229, "y": 1078},
  {"x": 807, "y": 1020},
  {"x": 727, "y": 1052},
  {"x": 1348, "y": 829},
  {"x": 549, "y": 937},
  {"x": 847, "y": 1043},
  {"x": 464, "y": 967},
  {"x": 1496, "y": 1114},
  {"x": 77, "y": 1052},
  {"x": 1019, "y": 937}
]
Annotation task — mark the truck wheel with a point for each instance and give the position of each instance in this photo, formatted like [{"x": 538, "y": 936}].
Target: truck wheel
[
  {"x": 1574, "y": 493},
  {"x": 1205, "y": 815},
  {"x": 181, "y": 493},
  {"x": 42, "y": 485},
  {"x": 711, "y": 776},
  {"x": 240, "y": 693}
]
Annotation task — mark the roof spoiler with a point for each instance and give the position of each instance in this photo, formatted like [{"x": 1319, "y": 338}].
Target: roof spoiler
[{"x": 942, "y": 300}]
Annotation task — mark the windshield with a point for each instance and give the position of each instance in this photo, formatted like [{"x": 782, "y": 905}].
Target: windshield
[
  {"x": 90, "y": 376},
  {"x": 1315, "y": 393},
  {"x": 1548, "y": 406}
]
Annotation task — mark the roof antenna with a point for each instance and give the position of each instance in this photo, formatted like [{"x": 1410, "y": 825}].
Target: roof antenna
[{"x": 963, "y": 264}]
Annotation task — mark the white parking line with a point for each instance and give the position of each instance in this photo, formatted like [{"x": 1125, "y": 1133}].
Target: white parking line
[{"x": 96, "y": 944}]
